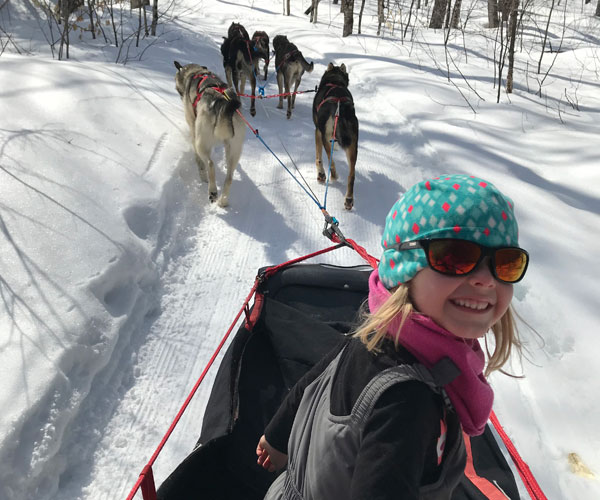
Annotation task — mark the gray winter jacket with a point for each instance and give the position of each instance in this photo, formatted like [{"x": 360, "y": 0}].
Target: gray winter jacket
[{"x": 323, "y": 447}]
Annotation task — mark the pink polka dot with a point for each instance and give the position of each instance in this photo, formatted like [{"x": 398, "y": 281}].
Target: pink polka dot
[
  {"x": 446, "y": 206},
  {"x": 486, "y": 231},
  {"x": 395, "y": 213},
  {"x": 456, "y": 186},
  {"x": 410, "y": 209},
  {"x": 504, "y": 216},
  {"x": 385, "y": 243},
  {"x": 392, "y": 264},
  {"x": 398, "y": 239},
  {"x": 456, "y": 229},
  {"x": 415, "y": 228},
  {"x": 428, "y": 186},
  {"x": 483, "y": 184}
]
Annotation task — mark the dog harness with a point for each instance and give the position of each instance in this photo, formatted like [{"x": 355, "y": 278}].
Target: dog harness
[
  {"x": 199, "y": 92},
  {"x": 333, "y": 86}
]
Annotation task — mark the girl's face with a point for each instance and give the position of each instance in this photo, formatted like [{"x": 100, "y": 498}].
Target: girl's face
[{"x": 466, "y": 306}]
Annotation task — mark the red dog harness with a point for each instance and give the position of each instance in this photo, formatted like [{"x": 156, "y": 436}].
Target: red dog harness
[
  {"x": 203, "y": 78},
  {"x": 332, "y": 98}
]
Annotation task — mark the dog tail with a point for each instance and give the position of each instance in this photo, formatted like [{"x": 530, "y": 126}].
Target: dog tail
[
  {"x": 227, "y": 107},
  {"x": 305, "y": 66}
]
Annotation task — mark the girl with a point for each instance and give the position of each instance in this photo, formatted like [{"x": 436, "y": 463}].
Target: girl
[{"x": 382, "y": 416}]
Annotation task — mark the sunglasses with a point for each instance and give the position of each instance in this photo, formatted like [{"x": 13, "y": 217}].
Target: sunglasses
[{"x": 461, "y": 257}]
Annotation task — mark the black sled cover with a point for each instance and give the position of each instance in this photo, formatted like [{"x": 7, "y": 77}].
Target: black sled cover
[{"x": 306, "y": 308}]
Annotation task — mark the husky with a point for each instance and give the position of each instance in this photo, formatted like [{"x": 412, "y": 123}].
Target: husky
[
  {"x": 261, "y": 50},
  {"x": 334, "y": 101},
  {"x": 290, "y": 65},
  {"x": 240, "y": 58},
  {"x": 211, "y": 113}
]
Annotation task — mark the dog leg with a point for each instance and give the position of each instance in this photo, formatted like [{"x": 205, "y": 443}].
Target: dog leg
[
  {"x": 319, "y": 156},
  {"x": 201, "y": 169},
  {"x": 233, "y": 151},
  {"x": 205, "y": 159},
  {"x": 294, "y": 94},
  {"x": 327, "y": 146},
  {"x": 351, "y": 155},
  {"x": 243, "y": 81},
  {"x": 229, "y": 76},
  {"x": 280, "y": 85},
  {"x": 289, "y": 99}
]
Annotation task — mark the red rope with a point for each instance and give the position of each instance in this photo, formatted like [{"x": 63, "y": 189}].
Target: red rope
[
  {"x": 146, "y": 474},
  {"x": 533, "y": 488},
  {"x": 146, "y": 478}
]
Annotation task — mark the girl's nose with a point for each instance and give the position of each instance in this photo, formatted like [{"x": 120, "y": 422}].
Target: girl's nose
[{"x": 482, "y": 276}]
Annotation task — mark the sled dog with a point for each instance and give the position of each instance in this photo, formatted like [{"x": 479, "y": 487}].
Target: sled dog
[
  {"x": 261, "y": 50},
  {"x": 290, "y": 65},
  {"x": 240, "y": 58},
  {"x": 210, "y": 111},
  {"x": 333, "y": 98}
]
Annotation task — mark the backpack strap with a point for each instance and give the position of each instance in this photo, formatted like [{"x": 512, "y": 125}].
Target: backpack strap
[{"x": 442, "y": 373}]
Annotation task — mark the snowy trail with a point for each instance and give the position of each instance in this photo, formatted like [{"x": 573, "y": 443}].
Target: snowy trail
[
  {"x": 270, "y": 220},
  {"x": 203, "y": 259}
]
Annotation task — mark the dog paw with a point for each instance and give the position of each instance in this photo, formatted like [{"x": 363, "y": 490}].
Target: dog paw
[
  {"x": 212, "y": 197},
  {"x": 349, "y": 203},
  {"x": 252, "y": 111},
  {"x": 280, "y": 106},
  {"x": 288, "y": 114},
  {"x": 334, "y": 174},
  {"x": 321, "y": 177},
  {"x": 223, "y": 202}
]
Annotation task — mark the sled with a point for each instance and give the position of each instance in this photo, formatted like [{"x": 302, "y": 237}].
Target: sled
[{"x": 300, "y": 312}]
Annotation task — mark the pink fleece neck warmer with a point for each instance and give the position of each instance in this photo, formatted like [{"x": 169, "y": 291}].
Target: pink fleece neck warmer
[{"x": 470, "y": 394}]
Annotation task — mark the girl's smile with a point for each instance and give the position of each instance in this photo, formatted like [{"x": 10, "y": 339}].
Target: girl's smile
[{"x": 466, "y": 306}]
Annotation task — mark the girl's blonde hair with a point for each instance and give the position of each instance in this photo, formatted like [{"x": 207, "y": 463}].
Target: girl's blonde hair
[{"x": 373, "y": 328}]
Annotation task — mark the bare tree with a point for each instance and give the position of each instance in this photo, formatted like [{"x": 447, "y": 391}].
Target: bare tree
[
  {"x": 493, "y": 20},
  {"x": 154, "y": 18},
  {"x": 381, "y": 16},
  {"x": 512, "y": 35},
  {"x": 348, "y": 10},
  {"x": 456, "y": 14},
  {"x": 438, "y": 13},
  {"x": 362, "y": 8},
  {"x": 545, "y": 37}
]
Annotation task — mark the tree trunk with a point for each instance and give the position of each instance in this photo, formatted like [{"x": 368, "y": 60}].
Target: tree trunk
[
  {"x": 362, "y": 8},
  {"x": 437, "y": 14},
  {"x": 92, "y": 24},
  {"x": 598, "y": 9},
  {"x": 314, "y": 11},
  {"x": 545, "y": 38},
  {"x": 348, "y": 9},
  {"x": 512, "y": 33},
  {"x": 381, "y": 17},
  {"x": 154, "y": 18},
  {"x": 493, "y": 20},
  {"x": 456, "y": 14}
]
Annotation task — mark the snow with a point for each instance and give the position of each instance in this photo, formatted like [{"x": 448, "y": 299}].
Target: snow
[{"x": 118, "y": 278}]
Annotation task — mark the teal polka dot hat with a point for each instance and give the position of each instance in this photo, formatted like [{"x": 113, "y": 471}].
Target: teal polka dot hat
[{"x": 450, "y": 206}]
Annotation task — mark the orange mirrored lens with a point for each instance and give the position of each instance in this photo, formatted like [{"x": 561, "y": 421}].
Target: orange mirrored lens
[
  {"x": 510, "y": 264},
  {"x": 454, "y": 257}
]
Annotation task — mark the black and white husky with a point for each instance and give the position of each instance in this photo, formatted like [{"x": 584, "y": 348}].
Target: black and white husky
[
  {"x": 210, "y": 111},
  {"x": 290, "y": 66},
  {"x": 240, "y": 58},
  {"x": 333, "y": 101}
]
